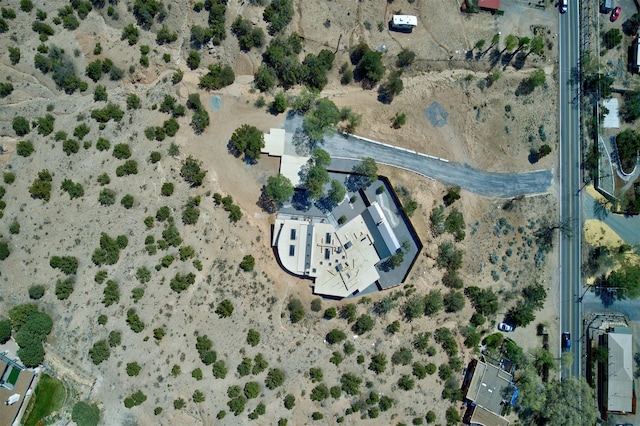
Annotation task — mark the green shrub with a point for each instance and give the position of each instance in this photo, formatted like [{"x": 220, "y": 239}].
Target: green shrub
[{"x": 99, "y": 352}]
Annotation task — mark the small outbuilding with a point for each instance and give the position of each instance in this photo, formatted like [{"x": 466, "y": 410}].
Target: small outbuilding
[
  {"x": 404, "y": 22},
  {"x": 492, "y": 5}
]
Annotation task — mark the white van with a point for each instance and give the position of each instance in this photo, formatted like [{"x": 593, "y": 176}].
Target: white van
[{"x": 563, "y": 6}]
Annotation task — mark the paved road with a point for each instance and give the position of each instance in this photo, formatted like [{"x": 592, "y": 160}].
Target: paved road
[
  {"x": 570, "y": 318},
  {"x": 627, "y": 228},
  {"x": 350, "y": 150}
]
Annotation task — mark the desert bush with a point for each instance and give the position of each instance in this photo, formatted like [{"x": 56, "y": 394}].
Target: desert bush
[
  {"x": 115, "y": 337},
  {"x": 133, "y": 369},
  {"x": 224, "y": 309},
  {"x": 99, "y": 352},
  {"x": 247, "y": 263},
  {"x": 20, "y": 125},
  {"x": 111, "y": 293},
  {"x": 253, "y": 337},
  {"x": 66, "y": 264},
  {"x": 335, "y": 336},
  {"x": 35, "y": 292},
  {"x": 378, "y": 363},
  {"x": 296, "y": 311},
  {"x": 180, "y": 282},
  {"x": 64, "y": 288},
  {"x": 75, "y": 190},
  {"x": 134, "y": 321},
  {"x": 192, "y": 172},
  {"x": 402, "y": 356},
  {"x": 24, "y": 148}
]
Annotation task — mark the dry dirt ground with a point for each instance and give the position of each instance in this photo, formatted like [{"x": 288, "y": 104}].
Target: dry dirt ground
[{"x": 482, "y": 131}]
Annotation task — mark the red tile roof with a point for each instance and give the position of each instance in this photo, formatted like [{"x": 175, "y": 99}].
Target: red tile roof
[{"x": 489, "y": 4}]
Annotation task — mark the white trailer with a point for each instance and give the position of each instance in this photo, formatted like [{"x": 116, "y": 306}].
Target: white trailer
[{"x": 404, "y": 22}]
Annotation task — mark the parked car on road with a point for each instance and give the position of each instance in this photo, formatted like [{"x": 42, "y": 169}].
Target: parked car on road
[
  {"x": 615, "y": 13},
  {"x": 503, "y": 326},
  {"x": 566, "y": 341}
]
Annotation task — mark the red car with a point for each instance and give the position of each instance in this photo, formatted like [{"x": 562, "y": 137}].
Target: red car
[{"x": 615, "y": 13}]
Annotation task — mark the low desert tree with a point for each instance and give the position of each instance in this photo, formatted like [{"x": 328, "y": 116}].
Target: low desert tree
[
  {"x": 337, "y": 191},
  {"x": 134, "y": 321},
  {"x": 181, "y": 282},
  {"x": 21, "y": 125},
  {"x": 253, "y": 337},
  {"x": 219, "y": 76},
  {"x": 111, "y": 293},
  {"x": 248, "y": 140},
  {"x": 197, "y": 374},
  {"x": 193, "y": 60},
  {"x": 321, "y": 119},
  {"x": 399, "y": 120},
  {"x": 363, "y": 324},
  {"x": 350, "y": 383},
  {"x": 279, "y": 104},
  {"x": 35, "y": 292},
  {"x": 133, "y": 369},
  {"x": 319, "y": 393},
  {"x": 64, "y": 288},
  {"x": 107, "y": 197},
  {"x": 316, "y": 375},
  {"x": 66, "y": 264},
  {"x": 296, "y": 310},
  {"x": 5, "y": 89},
  {"x": 133, "y": 101},
  {"x": 289, "y": 401},
  {"x": 452, "y": 195},
  {"x": 75, "y": 190},
  {"x": 330, "y": 313},
  {"x": 612, "y": 38},
  {"x": 316, "y": 304},
  {"x": 406, "y": 58},
  {"x": 24, "y": 148},
  {"x": 279, "y": 188},
  {"x": 335, "y": 336},
  {"x": 348, "y": 312},
  {"x": 251, "y": 390},
  {"x": 219, "y": 369},
  {"x": 391, "y": 88},
  {"x": 224, "y": 309},
  {"x": 127, "y": 201},
  {"x": 370, "y": 68},
  {"x": 14, "y": 55},
  {"x": 115, "y": 337},
  {"x": 378, "y": 363},
  {"x": 191, "y": 171},
  {"x": 278, "y": 14},
  {"x": 99, "y": 352},
  {"x": 402, "y": 356},
  {"x": 453, "y": 301}
]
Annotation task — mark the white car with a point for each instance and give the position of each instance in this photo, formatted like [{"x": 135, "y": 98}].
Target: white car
[
  {"x": 563, "y": 6},
  {"x": 503, "y": 326}
]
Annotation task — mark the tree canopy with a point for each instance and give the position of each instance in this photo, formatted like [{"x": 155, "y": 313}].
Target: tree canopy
[
  {"x": 321, "y": 120},
  {"x": 279, "y": 188},
  {"x": 248, "y": 140}
]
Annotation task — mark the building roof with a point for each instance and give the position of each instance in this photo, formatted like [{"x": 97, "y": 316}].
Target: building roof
[
  {"x": 482, "y": 416},
  {"x": 612, "y": 117},
  {"x": 620, "y": 371},
  {"x": 486, "y": 391},
  {"x": 20, "y": 386},
  {"x": 274, "y": 142},
  {"x": 386, "y": 232},
  {"x": 341, "y": 260},
  {"x": 290, "y": 165},
  {"x": 489, "y": 4}
]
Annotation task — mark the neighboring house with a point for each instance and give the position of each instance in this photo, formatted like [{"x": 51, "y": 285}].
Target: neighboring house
[
  {"x": 488, "y": 391},
  {"x": 489, "y": 4},
  {"x": 15, "y": 384},
  {"x": 620, "y": 392}
]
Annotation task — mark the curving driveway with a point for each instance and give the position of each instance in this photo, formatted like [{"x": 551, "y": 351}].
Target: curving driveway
[{"x": 347, "y": 150}]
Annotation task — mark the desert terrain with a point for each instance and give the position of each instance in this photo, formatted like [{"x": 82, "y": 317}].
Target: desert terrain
[{"x": 487, "y": 126}]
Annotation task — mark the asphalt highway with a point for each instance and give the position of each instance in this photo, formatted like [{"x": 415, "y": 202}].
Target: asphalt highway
[{"x": 570, "y": 187}]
